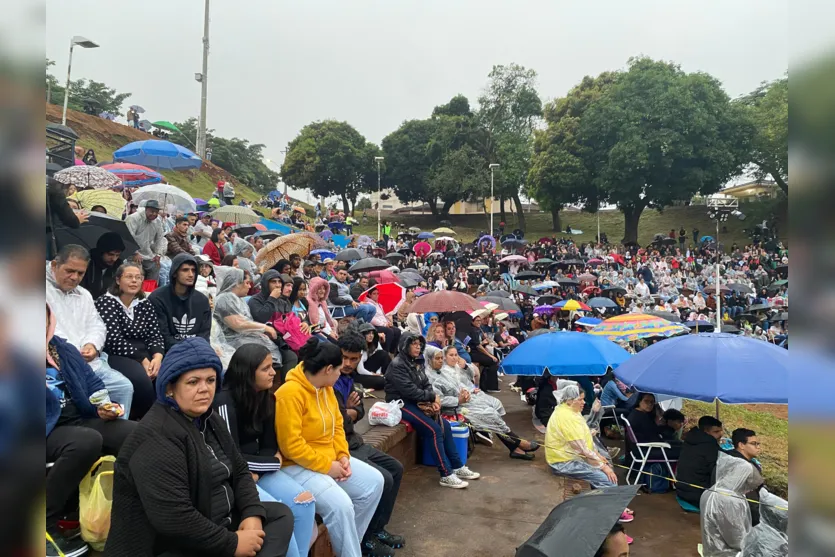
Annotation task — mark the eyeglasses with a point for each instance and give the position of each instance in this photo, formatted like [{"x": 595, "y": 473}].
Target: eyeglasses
[{"x": 754, "y": 443}]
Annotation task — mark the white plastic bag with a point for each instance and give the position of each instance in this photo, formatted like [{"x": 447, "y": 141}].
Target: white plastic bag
[{"x": 386, "y": 413}]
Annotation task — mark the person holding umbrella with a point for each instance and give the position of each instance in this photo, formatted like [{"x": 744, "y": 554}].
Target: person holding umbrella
[{"x": 146, "y": 229}]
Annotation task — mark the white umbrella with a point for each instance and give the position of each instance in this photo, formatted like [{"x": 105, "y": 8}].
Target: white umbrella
[
  {"x": 166, "y": 194},
  {"x": 137, "y": 108},
  {"x": 88, "y": 177},
  {"x": 236, "y": 214}
]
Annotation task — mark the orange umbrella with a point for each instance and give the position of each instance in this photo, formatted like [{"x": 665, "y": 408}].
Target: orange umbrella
[{"x": 300, "y": 243}]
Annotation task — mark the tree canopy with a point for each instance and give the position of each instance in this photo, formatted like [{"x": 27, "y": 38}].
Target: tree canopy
[
  {"x": 84, "y": 93},
  {"x": 331, "y": 158},
  {"x": 768, "y": 108}
]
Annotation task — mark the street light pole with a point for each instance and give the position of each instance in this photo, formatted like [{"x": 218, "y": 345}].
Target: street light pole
[
  {"x": 720, "y": 209},
  {"x": 379, "y": 194},
  {"x": 84, "y": 43},
  {"x": 493, "y": 166},
  {"x": 204, "y": 86}
]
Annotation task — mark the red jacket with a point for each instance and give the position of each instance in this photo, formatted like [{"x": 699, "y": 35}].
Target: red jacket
[{"x": 214, "y": 252}]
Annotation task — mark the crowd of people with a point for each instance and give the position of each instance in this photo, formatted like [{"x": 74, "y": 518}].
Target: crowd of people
[{"x": 230, "y": 391}]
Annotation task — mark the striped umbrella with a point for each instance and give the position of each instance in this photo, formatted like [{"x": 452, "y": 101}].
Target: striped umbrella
[
  {"x": 300, "y": 243},
  {"x": 88, "y": 177},
  {"x": 133, "y": 174},
  {"x": 236, "y": 214},
  {"x": 634, "y": 326},
  {"x": 572, "y": 305}
]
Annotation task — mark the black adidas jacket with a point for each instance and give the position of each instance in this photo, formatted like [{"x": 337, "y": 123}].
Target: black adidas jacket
[{"x": 181, "y": 318}]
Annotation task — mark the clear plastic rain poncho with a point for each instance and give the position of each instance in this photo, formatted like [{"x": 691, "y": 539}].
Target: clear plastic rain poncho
[
  {"x": 483, "y": 411},
  {"x": 236, "y": 323},
  {"x": 769, "y": 538},
  {"x": 725, "y": 515}
]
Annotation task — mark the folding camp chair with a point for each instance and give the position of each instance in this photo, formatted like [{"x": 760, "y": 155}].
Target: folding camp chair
[{"x": 643, "y": 453}]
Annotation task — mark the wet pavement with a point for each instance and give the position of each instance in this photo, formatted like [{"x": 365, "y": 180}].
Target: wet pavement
[{"x": 499, "y": 511}]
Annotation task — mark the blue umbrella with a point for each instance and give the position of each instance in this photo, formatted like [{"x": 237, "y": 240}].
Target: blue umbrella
[
  {"x": 323, "y": 254},
  {"x": 564, "y": 354},
  {"x": 425, "y": 236},
  {"x": 704, "y": 239},
  {"x": 160, "y": 154},
  {"x": 600, "y": 302},
  {"x": 709, "y": 367},
  {"x": 589, "y": 321}
]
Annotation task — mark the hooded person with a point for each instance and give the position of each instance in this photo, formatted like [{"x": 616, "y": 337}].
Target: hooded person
[
  {"x": 244, "y": 250},
  {"x": 183, "y": 312},
  {"x": 181, "y": 486},
  {"x": 769, "y": 538},
  {"x": 725, "y": 514},
  {"x": 271, "y": 299},
  {"x": 104, "y": 260},
  {"x": 318, "y": 313},
  {"x": 406, "y": 380}
]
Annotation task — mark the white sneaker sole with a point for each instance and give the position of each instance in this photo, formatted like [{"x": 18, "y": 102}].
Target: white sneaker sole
[
  {"x": 462, "y": 485},
  {"x": 467, "y": 478}
]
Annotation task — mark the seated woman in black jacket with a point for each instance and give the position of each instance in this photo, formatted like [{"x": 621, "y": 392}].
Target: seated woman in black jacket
[
  {"x": 181, "y": 488},
  {"x": 645, "y": 420},
  {"x": 406, "y": 380}
]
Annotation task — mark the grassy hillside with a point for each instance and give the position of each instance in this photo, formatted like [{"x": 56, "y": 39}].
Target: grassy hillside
[
  {"x": 104, "y": 137},
  {"x": 611, "y": 222}
]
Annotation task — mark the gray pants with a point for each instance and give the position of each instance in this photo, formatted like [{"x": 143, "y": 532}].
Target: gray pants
[{"x": 150, "y": 269}]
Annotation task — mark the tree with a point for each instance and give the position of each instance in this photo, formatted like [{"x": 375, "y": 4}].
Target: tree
[
  {"x": 330, "y": 158},
  {"x": 461, "y": 174},
  {"x": 85, "y": 92},
  {"x": 363, "y": 203},
  {"x": 560, "y": 172},
  {"x": 658, "y": 135},
  {"x": 768, "y": 108},
  {"x": 509, "y": 111},
  {"x": 408, "y": 161}
]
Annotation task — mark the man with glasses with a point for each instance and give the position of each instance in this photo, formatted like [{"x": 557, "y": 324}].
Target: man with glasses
[{"x": 747, "y": 447}]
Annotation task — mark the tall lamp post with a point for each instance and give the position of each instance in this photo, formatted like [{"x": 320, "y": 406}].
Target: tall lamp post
[
  {"x": 720, "y": 209},
  {"x": 83, "y": 43},
  {"x": 202, "y": 77},
  {"x": 379, "y": 161},
  {"x": 493, "y": 167}
]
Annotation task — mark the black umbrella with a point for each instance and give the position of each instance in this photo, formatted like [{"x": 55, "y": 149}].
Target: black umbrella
[
  {"x": 579, "y": 526},
  {"x": 395, "y": 255},
  {"x": 750, "y": 317},
  {"x": 505, "y": 304},
  {"x": 525, "y": 290},
  {"x": 568, "y": 282},
  {"x": 412, "y": 274},
  {"x": 499, "y": 294},
  {"x": 369, "y": 264},
  {"x": 783, "y": 271},
  {"x": 547, "y": 300},
  {"x": 514, "y": 243},
  {"x": 407, "y": 281},
  {"x": 528, "y": 275},
  {"x": 353, "y": 254},
  {"x": 759, "y": 307},
  {"x": 741, "y": 288},
  {"x": 668, "y": 241},
  {"x": 665, "y": 315},
  {"x": 113, "y": 225},
  {"x": 406, "y": 251},
  {"x": 613, "y": 290},
  {"x": 269, "y": 235},
  {"x": 731, "y": 329},
  {"x": 784, "y": 316},
  {"x": 567, "y": 263},
  {"x": 543, "y": 261},
  {"x": 87, "y": 235},
  {"x": 244, "y": 230}
]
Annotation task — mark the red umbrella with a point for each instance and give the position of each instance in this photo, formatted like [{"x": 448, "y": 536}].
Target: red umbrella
[
  {"x": 391, "y": 296},
  {"x": 259, "y": 226},
  {"x": 133, "y": 174},
  {"x": 383, "y": 277},
  {"x": 545, "y": 240},
  {"x": 422, "y": 249},
  {"x": 618, "y": 258},
  {"x": 443, "y": 302}
]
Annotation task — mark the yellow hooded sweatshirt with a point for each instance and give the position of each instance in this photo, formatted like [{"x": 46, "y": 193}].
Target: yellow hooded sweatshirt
[{"x": 308, "y": 423}]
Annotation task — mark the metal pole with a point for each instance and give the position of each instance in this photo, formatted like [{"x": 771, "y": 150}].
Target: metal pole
[
  {"x": 204, "y": 86},
  {"x": 379, "y": 201},
  {"x": 491, "y": 201},
  {"x": 598, "y": 214},
  {"x": 67, "y": 88},
  {"x": 718, "y": 292}
]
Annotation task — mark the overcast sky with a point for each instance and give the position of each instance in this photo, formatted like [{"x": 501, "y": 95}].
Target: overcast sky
[{"x": 276, "y": 65}]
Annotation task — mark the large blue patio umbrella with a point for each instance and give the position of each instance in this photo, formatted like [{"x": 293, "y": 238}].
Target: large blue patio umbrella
[
  {"x": 711, "y": 367},
  {"x": 564, "y": 354},
  {"x": 158, "y": 154}
]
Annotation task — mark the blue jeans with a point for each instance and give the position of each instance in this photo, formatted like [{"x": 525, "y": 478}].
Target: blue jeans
[
  {"x": 346, "y": 507},
  {"x": 582, "y": 471},
  {"x": 118, "y": 386},
  {"x": 278, "y": 486},
  {"x": 366, "y": 312},
  {"x": 442, "y": 442}
]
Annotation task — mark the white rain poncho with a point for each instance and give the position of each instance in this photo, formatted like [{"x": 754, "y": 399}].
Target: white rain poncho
[
  {"x": 236, "y": 323},
  {"x": 725, "y": 515},
  {"x": 769, "y": 538},
  {"x": 483, "y": 411}
]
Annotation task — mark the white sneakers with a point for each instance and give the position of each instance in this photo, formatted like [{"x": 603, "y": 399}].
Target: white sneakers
[
  {"x": 456, "y": 479},
  {"x": 453, "y": 481}
]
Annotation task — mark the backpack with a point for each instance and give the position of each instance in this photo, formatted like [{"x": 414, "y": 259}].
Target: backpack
[
  {"x": 288, "y": 326},
  {"x": 657, "y": 483}
]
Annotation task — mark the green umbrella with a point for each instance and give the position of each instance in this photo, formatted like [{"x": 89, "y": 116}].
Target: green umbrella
[{"x": 165, "y": 125}]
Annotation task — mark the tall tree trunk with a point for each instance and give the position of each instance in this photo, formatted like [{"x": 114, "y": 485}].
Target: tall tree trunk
[
  {"x": 520, "y": 211},
  {"x": 502, "y": 214},
  {"x": 556, "y": 225},
  {"x": 446, "y": 208},
  {"x": 345, "y": 206},
  {"x": 631, "y": 218},
  {"x": 433, "y": 206},
  {"x": 353, "y": 206},
  {"x": 780, "y": 182}
]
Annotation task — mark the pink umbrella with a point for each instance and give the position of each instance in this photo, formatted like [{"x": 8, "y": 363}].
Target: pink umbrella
[
  {"x": 79, "y": 162},
  {"x": 422, "y": 249},
  {"x": 514, "y": 258},
  {"x": 384, "y": 277}
]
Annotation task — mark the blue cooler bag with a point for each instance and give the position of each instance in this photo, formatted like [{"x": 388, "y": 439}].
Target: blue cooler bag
[{"x": 460, "y": 436}]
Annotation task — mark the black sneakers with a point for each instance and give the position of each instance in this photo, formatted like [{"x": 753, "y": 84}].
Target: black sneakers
[
  {"x": 391, "y": 540},
  {"x": 372, "y": 547},
  {"x": 66, "y": 547}
]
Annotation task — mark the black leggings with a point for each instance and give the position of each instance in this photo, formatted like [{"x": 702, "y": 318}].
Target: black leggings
[
  {"x": 392, "y": 338},
  {"x": 73, "y": 449},
  {"x": 489, "y": 380},
  {"x": 373, "y": 382},
  {"x": 378, "y": 362},
  {"x": 144, "y": 394}
]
